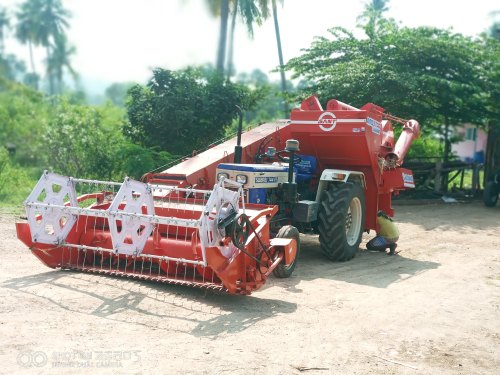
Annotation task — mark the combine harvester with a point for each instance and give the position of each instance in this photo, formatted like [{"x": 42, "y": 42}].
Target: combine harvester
[{"x": 227, "y": 218}]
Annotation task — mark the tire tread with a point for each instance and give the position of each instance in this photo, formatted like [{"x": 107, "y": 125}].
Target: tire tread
[{"x": 331, "y": 218}]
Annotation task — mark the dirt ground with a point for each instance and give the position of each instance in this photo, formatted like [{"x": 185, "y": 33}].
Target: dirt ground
[{"x": 432, "y": 309}]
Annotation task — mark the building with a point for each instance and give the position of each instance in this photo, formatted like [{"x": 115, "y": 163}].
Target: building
[{"x": 473, "y": 144}]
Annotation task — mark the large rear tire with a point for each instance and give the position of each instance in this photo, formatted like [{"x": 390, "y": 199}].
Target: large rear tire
[
  {"x": 283, "y": 271},
  {"x": 341, "y": 221},
  {"x": 490, "y": 194}
]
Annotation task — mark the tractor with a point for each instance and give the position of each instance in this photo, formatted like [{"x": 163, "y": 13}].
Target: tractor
[{"x": 229, "y": 217}]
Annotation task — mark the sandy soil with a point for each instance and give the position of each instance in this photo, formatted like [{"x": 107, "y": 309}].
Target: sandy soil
[{"x": 433, "y": 309}]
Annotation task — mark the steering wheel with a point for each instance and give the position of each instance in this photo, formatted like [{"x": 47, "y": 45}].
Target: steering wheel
[{"x": 286, "y": 159}]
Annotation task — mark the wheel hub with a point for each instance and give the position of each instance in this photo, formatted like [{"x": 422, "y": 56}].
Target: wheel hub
[{"x": 353, "y": 221}]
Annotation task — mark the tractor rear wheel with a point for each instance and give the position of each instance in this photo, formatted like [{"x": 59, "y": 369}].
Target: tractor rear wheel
[
  {"x": 283, "y": 271},
  {"x": 490, "y": 194},
  {"x": 341, "y": 221}
]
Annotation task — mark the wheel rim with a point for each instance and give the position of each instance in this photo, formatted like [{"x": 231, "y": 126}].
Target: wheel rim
[{"x": 353, "y": 221}]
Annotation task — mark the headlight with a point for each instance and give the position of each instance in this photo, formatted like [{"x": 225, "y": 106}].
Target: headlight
[
  {"x": 241, "y": 179},
  {"x": 338, "y": 176},
  {"x": 271, "y": 152},
  {"x": 222, "y": 174}
]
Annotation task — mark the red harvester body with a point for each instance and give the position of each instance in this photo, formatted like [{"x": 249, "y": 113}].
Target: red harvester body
[{"x": 192, "y": 224}]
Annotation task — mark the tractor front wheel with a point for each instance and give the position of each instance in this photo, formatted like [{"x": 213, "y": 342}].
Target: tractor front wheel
[
  {"x": 490, "y": 194},
  {"x": 341, "y": 220},
  {"x": 283, "y": 271}
]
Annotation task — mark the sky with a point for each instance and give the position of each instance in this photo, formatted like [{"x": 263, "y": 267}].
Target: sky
[{"x": 122, "y": 40}]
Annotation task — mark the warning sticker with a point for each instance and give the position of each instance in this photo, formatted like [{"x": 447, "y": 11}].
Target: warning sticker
[
  {"x": 374, "y": 124},
  {"x": 408, "y": 180}
]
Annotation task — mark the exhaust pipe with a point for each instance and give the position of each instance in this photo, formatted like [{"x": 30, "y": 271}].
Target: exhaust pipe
[{"x": 238, "y": 150}]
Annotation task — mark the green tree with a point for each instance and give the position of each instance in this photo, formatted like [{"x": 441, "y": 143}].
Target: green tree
[
  {"x": 181, "y": 111},
  {"x": 39, "y": 23},
  {"x": 136, "y": 160},
  {"x": 78, "y": 144},
  {"x": 11, "y": 67},
  {"x": 270, "y": 107},
  {"x": 15, "y": 184},
  {"x": 117, "y": 92},
  {"x": 4, "y": 162},
  {"x": 23, "y": 118}
]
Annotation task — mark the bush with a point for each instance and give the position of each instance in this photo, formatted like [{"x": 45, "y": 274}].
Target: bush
[
  {"x": 23, "y": 118},
  {"x": 15, "y": 183},
  {"x": 427, "y": 146},
  {"x": 78, "y": 144},
  {"x": 137, "y": 160}
]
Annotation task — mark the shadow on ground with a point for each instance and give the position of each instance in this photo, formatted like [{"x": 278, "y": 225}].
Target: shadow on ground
[
  {"x": 154, "y": 305},
  {"x": 371, "y": 268},
  {"x": 379, "y": 270}
]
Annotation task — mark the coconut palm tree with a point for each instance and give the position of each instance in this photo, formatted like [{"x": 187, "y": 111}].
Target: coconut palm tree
[
  {"x": 27, "y": 27},
  {"x": 220, "y": 8},
  {"x": 372, "y": 13},
  {"x": 39, "y": 23},
  {"x": 280, "y": 54},
  {"x": 230, "y": 52},
  {"x": 251, "y": 11},
  {"x": 54, "y": 19},
  {"x": 4, "y": 26},
  {"x": 494, "y": 30},
  {"x": 59, "y": 61},
  {"x": 257, "y": 11}
]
